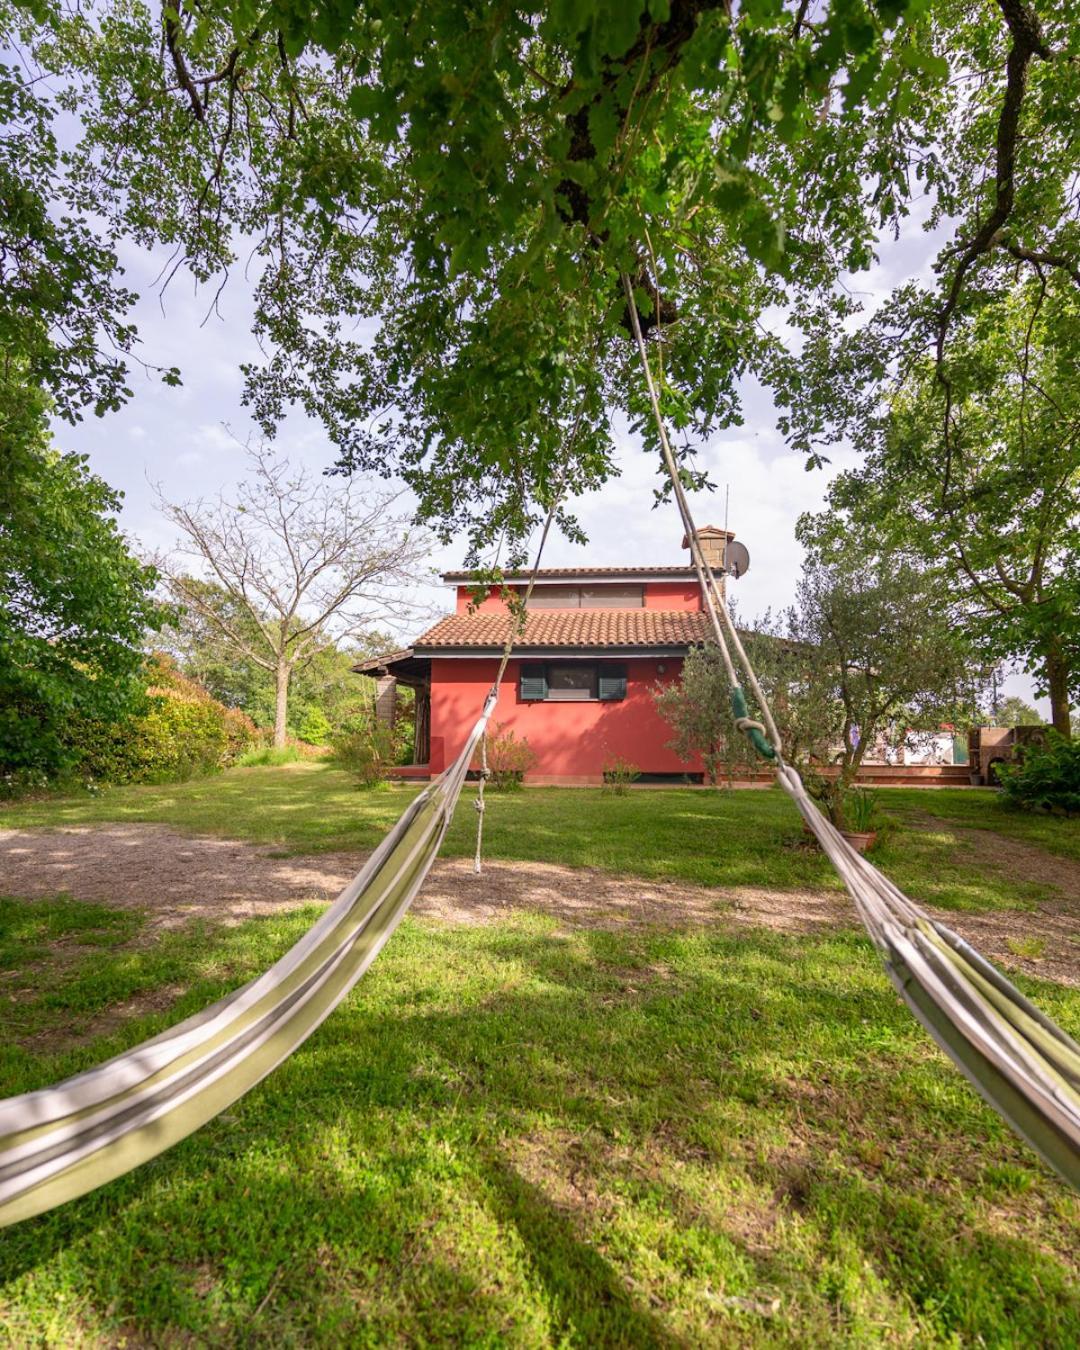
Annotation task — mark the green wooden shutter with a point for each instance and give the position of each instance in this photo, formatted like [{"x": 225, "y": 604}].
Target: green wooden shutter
[
  {"x": 611, "y": 683},
  {"x": 532, "y": 685}
]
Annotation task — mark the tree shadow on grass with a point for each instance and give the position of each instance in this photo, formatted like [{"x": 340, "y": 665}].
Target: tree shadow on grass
[
  {"x": 589, "y": 1299},
  {"x": 719, "y": 1049}
]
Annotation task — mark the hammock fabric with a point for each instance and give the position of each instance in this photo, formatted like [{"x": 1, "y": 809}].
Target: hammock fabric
[
  {"x": 60, "y": 1142},
  {"x": 1024, "y": 1065}
]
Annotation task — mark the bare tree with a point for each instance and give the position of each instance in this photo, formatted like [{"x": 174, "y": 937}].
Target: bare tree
[{"x": 306, "y": 560}]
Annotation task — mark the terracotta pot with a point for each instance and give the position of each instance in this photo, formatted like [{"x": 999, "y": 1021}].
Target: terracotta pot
[{"x": 860, "y": 841}]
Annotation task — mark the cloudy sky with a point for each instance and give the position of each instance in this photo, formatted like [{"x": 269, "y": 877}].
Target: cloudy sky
[{"x": 190, "y": 441}]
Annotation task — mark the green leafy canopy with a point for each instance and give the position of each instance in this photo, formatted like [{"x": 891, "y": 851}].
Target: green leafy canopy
[{"x": 438, "y": 201}]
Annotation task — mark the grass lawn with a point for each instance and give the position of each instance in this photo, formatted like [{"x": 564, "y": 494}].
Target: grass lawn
[
  {"x": 508, "y": 1135},
  {"x": 748, "y": 838},
  {"x": 520, "y": 1135}
]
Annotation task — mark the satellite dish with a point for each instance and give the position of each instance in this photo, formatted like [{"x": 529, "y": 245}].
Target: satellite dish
[{"x": 736, "y": 559}]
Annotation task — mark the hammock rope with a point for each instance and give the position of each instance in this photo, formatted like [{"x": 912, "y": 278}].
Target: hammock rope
[
  {"x": 60, "y": 1142},
  {"x": 517, "y": 625},
  {"x": 1025, "y": 1066}
]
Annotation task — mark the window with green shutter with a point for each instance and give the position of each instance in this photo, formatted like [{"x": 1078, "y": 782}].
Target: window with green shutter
[
  {"x": 611, "y": 684},
  {"x": 532, "y": 684},
  {"x": 572, "y": 682}
]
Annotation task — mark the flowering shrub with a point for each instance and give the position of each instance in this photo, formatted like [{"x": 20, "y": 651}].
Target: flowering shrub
[
  {"x": 618, "y": 776},
  {"x": 509, "y": 759}
]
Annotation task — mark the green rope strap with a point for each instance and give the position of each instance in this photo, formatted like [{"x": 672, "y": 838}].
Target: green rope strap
[{"x": 755, "y": 732}]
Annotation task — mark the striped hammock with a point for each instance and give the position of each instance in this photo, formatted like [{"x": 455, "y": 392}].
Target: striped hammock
[
  {"x": 60, "y": 1142},
  {"x": 1023, "y": 1064}
]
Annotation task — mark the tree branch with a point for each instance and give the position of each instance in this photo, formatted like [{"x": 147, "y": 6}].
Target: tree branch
[{"x": 183, "y": 75}]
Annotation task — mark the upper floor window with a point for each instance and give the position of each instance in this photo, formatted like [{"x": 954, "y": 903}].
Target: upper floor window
[{"x": 600, "y": 596}]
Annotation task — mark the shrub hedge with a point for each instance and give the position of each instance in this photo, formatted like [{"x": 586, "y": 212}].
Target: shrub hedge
[
  {"x": 179, "y": 732},
  {"x": 1046, "y": 779}
]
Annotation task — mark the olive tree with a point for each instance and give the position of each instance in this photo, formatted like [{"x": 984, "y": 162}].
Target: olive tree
[
  {"x": 867, "y": 653},
  {"x": 697, "y": 707}
]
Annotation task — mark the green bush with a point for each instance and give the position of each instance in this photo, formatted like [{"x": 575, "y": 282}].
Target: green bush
[
  {"x": 178, "y": 732},
  {"x": 315, "y": 727},
  {"x": 509, "y": 759},
  {"x": 368, "y": 754},
  {"x": 1046, "y": 779}
]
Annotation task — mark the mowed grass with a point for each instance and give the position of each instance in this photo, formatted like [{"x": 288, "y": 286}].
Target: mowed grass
[
  {"x": 515, "y": 1135},
  {"x": 981, "y": 809},
  {"x": 745, "y": 838}
]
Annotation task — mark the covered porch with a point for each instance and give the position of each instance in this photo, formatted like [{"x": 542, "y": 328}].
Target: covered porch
[{"x": 390, "y": 672}]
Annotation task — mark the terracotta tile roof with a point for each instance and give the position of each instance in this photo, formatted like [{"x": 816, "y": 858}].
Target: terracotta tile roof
[
  {"x": 551, "y": 573},
  {"x": 646, "y": 628}
]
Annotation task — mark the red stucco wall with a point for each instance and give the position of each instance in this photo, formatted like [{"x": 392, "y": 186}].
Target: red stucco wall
[
  {"x": 680, "y": 595},
  {"x": 492, "y": 600},
  {"x": 573, "y": 741}
]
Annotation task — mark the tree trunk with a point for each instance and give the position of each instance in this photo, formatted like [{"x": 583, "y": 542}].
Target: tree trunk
[
  {"x": 1057, "y": 680},
  {"x": 281, "y": 705}
]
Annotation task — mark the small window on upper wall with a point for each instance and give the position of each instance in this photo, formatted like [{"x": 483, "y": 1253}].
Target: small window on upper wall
[
  {"x": 555, "y": 597},
  {"x": 612, "y": 597},
  {"x": 598, "y": 596}
]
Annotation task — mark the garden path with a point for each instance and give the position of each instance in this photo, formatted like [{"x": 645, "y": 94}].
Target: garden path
[{"x": 177, "y": 878}]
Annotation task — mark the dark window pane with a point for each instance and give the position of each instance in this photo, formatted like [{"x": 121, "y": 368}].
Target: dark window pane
[{"x": 571, "y": 683}]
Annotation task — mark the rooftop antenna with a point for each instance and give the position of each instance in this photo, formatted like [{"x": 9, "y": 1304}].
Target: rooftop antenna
[{"x": 736, "y": 558}]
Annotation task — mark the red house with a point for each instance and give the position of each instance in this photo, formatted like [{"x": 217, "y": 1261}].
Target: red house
[{"x": 579, "y": 686}]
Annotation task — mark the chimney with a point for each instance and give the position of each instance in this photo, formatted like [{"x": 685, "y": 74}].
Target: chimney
[{"x": 712, "y": 542}]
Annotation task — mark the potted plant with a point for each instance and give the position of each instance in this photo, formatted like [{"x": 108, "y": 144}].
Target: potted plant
[
  {"x": 851, "y": 810},
  {"x": 856, "y": 818}
]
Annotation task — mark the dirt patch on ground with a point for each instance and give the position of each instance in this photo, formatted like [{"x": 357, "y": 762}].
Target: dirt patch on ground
[
  {"x": 176, "y": 878},
  {"x": 1015, "y": 860},
  {"x": 1054, "y": 923}
]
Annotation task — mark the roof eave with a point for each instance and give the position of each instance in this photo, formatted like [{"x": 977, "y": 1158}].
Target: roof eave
[
  {"x": 558, "y": 575},
  {"x": 523, "y": 650}
]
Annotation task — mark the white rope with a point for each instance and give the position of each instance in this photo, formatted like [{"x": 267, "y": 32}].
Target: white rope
[
  {"x": 716, "y": 606},
  {"x": 480, "y": 806},
  {"x": 1024, "y": 1065}
]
